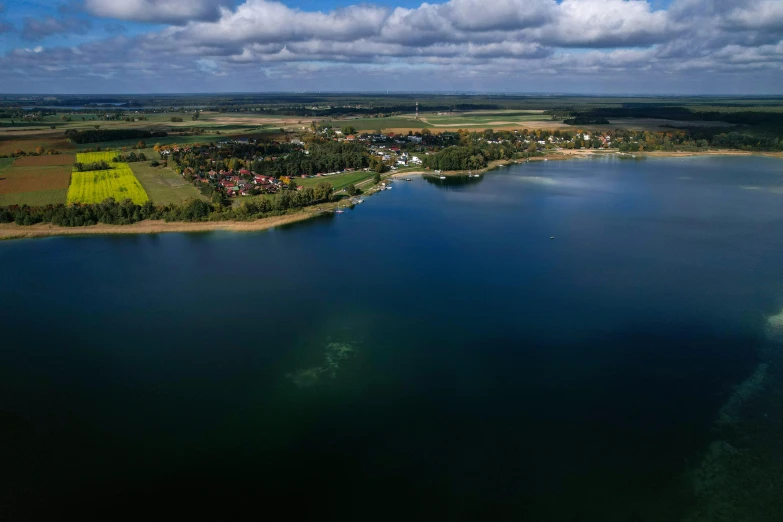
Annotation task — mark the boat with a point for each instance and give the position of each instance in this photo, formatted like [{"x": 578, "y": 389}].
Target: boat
[
  {"x": 443, "y": 177},
  {"x": 408, "y": 179}
]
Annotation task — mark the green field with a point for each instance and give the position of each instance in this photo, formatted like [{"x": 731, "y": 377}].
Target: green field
[
  {"x": 338, "y": 181},
  {"x": 486, "y": 118},
  {"x": 164, "y": 186},
  {"x": 372, "y": 124},
  {"x": 95, "y": 186},
  {"x": 38, "y": 198},
  {"x": 5, "y": 163}
]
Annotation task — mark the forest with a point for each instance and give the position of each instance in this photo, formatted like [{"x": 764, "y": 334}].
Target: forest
[{"x": 324, "y": 157}]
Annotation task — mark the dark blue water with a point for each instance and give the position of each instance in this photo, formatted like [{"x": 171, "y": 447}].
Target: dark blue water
[{"x": 431, "y": 354}]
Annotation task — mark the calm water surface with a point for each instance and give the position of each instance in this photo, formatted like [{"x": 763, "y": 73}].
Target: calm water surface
[{"x": 431, "y": 354}]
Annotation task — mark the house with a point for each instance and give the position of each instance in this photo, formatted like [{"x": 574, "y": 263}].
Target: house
[
  {"x": 244, "y": 172},
  {"x": 350, "y": 137},
  {"x": 415, "y": 160},
  {"x": 414, "y": 139}
]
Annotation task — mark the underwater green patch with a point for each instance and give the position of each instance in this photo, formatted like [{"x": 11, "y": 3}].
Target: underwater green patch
[{"x": 335, "y": 353}]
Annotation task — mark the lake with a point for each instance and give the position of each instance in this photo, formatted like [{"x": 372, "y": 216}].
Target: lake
[{"x": 428, "y": 355}]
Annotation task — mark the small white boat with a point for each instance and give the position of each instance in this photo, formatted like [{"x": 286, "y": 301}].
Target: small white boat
[
  {"x": 443, "y": 177},
  {"x": 408, "y": 179}
]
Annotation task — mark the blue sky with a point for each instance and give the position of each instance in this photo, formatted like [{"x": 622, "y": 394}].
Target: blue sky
[{"x": 578, "y": 46}]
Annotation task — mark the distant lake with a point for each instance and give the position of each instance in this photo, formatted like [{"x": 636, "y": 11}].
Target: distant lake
[{"x": 429, "y": 355}]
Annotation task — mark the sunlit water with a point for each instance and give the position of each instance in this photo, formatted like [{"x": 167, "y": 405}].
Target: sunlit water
[{"x": 431, "y": 354}]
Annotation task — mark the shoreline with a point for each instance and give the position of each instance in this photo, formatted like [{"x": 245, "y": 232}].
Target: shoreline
[
  {"x": 10, "y": 231},
  {"x": 567, "y": 154}
]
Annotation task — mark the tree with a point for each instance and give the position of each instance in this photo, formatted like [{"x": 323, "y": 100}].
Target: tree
[
  {"x": 196, "y": 115},
  {"x": 376, "y": 165},
  {"x": 97, "y": 127},
  {"x": 39, "y": 150},
  {"x": 377, "y": 178},
  {"x": 348, "y": 129},
  {"x": 141, "y": 145}
]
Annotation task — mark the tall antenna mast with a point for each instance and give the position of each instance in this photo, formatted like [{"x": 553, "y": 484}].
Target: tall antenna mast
[{"x": 417, "y": 109}]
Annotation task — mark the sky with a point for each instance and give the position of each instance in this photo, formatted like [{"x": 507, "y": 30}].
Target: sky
[{"x": 513, "y": 46}]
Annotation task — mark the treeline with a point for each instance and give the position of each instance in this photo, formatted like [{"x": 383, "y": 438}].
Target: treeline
[
  {"x": 98, "y": 135},
  {"x": 586, "y": 120},
  {"x": 126, "y": 212},
  {"x": 86, "y": 167},
  {"x": 745, "y": 141},
  {"x": 685, "y": 114},
  {"x": 374, "y": 111},
  {"x": 130, "y": 158}
]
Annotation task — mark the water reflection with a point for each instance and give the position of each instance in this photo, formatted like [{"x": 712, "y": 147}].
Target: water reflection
[{"x": 453, "y": 180}]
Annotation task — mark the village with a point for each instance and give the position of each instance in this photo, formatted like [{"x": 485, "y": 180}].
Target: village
[{"x": 251, "y": 167}]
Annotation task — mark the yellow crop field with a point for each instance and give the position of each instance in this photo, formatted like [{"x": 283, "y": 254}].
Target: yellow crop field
[
  {"x": 97, "y": 185},
  {"x": 95, "y": 157}
]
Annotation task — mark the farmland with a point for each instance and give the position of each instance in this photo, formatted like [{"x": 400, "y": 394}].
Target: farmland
[
  {"x": 31, "y": 179},
  {"x": 97, "y": 185},
  {"x": 45, "y": 161},
  {"x": 13, "y": 141},
  {"x": 163, "y": 185},
  {"x": 38, "y": 198},
  {"x": 95, "y": 157},
  {"x": 24, "y": 183}
]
